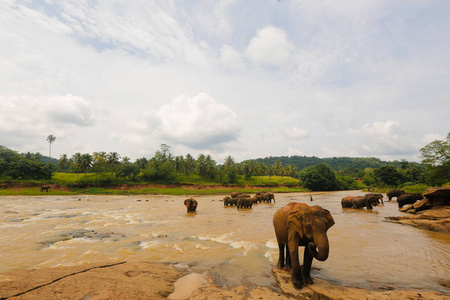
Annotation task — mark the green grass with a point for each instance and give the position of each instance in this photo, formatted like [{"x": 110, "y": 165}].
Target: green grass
[{"x": 94, "y": 184}]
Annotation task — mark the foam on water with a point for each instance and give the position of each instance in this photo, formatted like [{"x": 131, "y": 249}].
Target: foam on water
[{"x": 150, "y": 245}]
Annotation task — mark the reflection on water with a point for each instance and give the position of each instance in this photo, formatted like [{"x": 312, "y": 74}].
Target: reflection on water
[{"x": 234, "y": 247}]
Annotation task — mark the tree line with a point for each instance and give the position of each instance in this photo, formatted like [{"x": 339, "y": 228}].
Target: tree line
[{"x": 314, "y": 173}]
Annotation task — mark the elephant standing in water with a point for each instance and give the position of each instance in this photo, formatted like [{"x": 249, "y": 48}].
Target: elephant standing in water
[
  {"x": 394, "y": 193},
  {"x": 298, "y": 224},
  {"x": 408, "y": 199},
  {"x": 368, "y": 200},
  {"x": 191, "y": 204}
]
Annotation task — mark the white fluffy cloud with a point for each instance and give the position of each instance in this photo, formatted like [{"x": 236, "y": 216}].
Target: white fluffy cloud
[
  {"x": 271, "y": 47},
  {"x": 199, "y": 122},
  {"x": 25, "y": 113}
]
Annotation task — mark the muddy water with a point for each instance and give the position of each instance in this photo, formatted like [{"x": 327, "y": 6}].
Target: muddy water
[{"x": 235, "y": 247}]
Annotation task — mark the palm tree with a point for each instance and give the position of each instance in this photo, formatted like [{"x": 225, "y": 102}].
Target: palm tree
[
  {"x": 75, "y": 163},
  {"x": 50, "y": 139},
  {"x": 64, "y": 162},
  {"x": 112, "y": 159},
  {"x": 86, "y": 162}
]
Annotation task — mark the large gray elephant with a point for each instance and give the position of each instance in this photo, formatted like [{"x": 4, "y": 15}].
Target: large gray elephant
[
  {"x": 394, "y": 193},
  {"x": 408, "y": 198},
  {"x": 298, "y": 224},
  {"x": 378, "y": 197},
  {"x": 367, "y": 201},
  {"x": 346, "y": 202},
  {"x": 245, "y": 202}
]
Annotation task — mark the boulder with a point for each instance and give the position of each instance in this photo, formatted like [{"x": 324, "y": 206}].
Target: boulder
[{"x": 438, "y": 195}]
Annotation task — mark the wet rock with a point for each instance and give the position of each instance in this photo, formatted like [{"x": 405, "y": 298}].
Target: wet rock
[
  {"x": 439, "y": 196},
  {"x": 434, "y": 219},
  {"x": 420, "y": 205},
  {"x": 322, "y": 289},
  {"x": 83, "y": 233}
]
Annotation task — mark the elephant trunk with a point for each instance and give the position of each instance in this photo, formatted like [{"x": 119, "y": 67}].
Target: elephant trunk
[{"x": 322, "y": 244}]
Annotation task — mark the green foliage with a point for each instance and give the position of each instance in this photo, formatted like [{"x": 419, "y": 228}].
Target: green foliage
[
  {"x": 436, "y": 157},
  {"x": 319, "y": 178},
  {"x": 15, "y": 166},
  {"x": 128, "y": 170},
  {"x": 388, "y": 175}
]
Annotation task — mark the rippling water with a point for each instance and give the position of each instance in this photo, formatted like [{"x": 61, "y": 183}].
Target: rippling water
[{"x": 235, "y": 247}]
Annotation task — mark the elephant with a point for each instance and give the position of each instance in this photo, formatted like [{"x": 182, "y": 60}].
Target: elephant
[
  {"x": 227, "y": 201},
  {"x": 235, "y": 194},
  {"x": 365, "y": 201},
  {"x": 408, "y": 198},
  {"x": 298, "y": 224},
  {"x": 394, "y": 193},
  {"x": 245, "y": 202},
  {"x": 191, "y": 204},
  {"x": 45, "y": 188},
  {"x": 268, "y": 197},
  {"x": 346, "y": 202},
  {"x": 379, "y": 197}
]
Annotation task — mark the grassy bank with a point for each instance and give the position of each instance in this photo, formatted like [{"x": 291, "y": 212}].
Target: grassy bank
[{"x": 93, "y": 184}]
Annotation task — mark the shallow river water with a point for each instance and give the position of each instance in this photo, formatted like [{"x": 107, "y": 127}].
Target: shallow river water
[{"x": 234, "y": 246}]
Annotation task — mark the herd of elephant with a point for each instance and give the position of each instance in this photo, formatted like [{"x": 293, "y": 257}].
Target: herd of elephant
[
  {"x": 371, "y": 200},
  {"x": 241, "y": 200}
]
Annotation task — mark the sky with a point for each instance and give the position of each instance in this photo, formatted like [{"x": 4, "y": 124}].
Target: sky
[{"x": 241, "y": 78}]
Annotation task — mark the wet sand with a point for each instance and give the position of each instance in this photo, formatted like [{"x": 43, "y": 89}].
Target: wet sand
[{"x": 146, "y": 280}]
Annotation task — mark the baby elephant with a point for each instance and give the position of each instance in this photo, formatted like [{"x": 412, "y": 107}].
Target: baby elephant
[{"x": 191, "y": 204}]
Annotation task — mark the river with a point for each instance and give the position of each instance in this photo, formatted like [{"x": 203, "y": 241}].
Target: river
[{"x": 233, "y": 246}]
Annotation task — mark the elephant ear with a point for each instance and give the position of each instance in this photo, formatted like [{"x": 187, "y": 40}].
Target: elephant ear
[
  {"x": 294, "y": 217},
  {"x": 330, "y": 220}
]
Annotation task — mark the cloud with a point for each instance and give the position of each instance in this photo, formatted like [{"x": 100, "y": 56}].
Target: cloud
[
  {"x": 296, "y": 133},
  {"x": 198, "y": 122},
  {"x": 232, "y": 59},
  {"x": 431, "y": 137},
  {"x": 270, "y": 47},
  {"x": 380, "y": 138},
  {"x": 26, "y": 113}
]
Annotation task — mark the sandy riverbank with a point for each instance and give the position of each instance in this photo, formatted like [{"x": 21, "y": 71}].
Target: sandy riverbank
[{"x": 146, "y": 280}]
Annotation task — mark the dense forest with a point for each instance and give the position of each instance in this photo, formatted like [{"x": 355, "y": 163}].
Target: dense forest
[{"x": 312, "y": 172}]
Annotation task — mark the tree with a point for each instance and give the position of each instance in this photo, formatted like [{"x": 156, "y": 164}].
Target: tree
[
  {"x": 388, "y": 175},
  {"x": 128, "y": 170},
  {"x": 112, "y": 159},
  {"x": 436, "y": 157},
  {"x": 86, "y": 162},
  {"x": 436, "y": 153},
  {"x": 75, "y": 163},
  {"x": 64, "y": 163},
  {"x": 50, "y": 139},
  {"x": 319, "y": 178},
  {"x": 161, "y": 167},
  {"x": 99, "y": 162}
]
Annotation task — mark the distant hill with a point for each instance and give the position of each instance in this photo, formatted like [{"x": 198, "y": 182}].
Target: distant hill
[{"x": 337, "y": 163}]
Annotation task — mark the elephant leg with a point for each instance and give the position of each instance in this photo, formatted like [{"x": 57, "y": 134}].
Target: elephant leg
[
  {"x": 306, "y": 268},
  {"x": 288, "y": 258},
  {"x": 296, "y": 274},
  {"x": 281, "y": 255}
]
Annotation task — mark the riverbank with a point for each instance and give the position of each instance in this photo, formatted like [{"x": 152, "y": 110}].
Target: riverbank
[
  {"x": 149, "y": 280},
  {"x": 34, "y": 189}
]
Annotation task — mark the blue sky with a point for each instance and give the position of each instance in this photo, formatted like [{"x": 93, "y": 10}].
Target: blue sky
[{"x": 242, "y": 78}]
